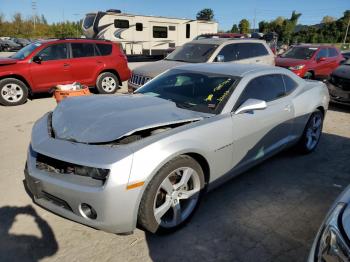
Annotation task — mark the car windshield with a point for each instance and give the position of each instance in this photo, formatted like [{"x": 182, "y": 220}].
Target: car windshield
[
  {"x": 203, "y": 92},
  {"x": 26, "y": 51},
  {"x": 304, "y": 53},
  {"x": 192, "y": 53}
]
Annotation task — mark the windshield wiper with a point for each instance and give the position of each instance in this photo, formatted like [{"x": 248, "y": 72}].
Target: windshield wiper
[{"x": 177, "y": 60}]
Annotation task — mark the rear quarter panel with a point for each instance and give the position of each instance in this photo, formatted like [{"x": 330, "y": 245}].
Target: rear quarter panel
[{"x": 309, "y": 96}]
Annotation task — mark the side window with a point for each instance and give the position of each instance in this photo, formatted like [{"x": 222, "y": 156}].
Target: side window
[
  {"x": 229, "y": 52},
  {"x": 249, "y": 50},
  {"x": 82, "y": 50},
  {"x": 139, "y": 27},
  {"x": 332, "y": 52},
  {"x": 258, "y": 49},
  {"x": 322, "y": 53},
  {"x": 243, "y": 51},
  {"x": 105, "y": 49},
  {"x": 267, "y": 88},
  {"x": 289, "y": 83},
  {"x": 118, "y": 23},
  {"x": 160, "y": 32},
  {"x": 54, "y": 52}
]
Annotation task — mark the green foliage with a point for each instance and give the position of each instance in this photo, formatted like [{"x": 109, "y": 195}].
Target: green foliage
[
  {"x": 244, "y": 26},
  {"x": 24, "y": 28},
  {"x": 234, "y": 29},
  {"x": 328, "y": 32},
  {"x": 205, "y": 14}
]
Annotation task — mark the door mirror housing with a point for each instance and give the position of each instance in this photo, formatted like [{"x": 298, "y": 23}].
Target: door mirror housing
[
  {"x": 251, "y": 105},
  {"x": 321, "y": 59},
  {"x": 220, "y": 58},
  {"x": 37, "y": 59}
]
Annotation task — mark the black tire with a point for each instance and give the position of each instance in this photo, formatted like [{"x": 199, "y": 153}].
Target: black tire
[
  {"x": 19, "y": 97},
  {"x": 107, "y": 83},
  {"x": 309, "y": 75},
  {"x": 146, "y": 216},
  {"x": 303, "y": 144}
]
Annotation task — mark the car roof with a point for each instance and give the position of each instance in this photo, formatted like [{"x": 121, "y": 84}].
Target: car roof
[
  {"x": 232, "y": 69},
  {"x": 219, "y": 41},
  {"x": 314, "y": 46},
  {"x": 54, "y": 40}
]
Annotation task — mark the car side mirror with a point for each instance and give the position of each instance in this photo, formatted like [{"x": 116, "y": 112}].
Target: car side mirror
[
  {"x": 37, "y": 59},
  {"x": 251, "y": 105},
  {"x": 321, "y": 59},
  {"x": 220, "y": 58}
]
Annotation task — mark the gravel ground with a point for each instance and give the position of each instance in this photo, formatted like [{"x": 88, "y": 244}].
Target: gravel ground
[{"x": 270, "y": 213}]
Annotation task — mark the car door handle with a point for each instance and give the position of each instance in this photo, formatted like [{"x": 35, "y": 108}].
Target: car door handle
[
  {"x": 66, "y": 65},
  {"x": 258, "y": 60},
  {"x": 99, "y": 62}
]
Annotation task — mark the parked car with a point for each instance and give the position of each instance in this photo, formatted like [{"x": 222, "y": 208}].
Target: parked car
[
  {"x": 21, "y": 41},
  {"x": 40, "y": 66},
  {"x": 311, "y": 61},
  {"x": 2, "y": 45},
  {"x": 205, "y": 51},
  {"x": 339, "y": 84},
  {"x": 10, "y": 46},
  {"x": 346, "y": 55},
  {"x": 332, "y": 240},
  {"x": 112, "y": 162}
]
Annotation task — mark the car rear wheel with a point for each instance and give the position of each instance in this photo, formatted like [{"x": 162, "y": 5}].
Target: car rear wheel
[
  {"x": 172, "y": 196},
  {"x": 107, "y": 83},
  {"x": 312, "y": 133},
  {"x": 13, "y": 92}
]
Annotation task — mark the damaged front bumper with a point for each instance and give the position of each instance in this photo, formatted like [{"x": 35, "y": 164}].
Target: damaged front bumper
[{"x": 113, "y": 208}]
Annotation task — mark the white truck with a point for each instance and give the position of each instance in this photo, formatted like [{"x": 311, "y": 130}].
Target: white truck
[{"x": 144, "y": 35}]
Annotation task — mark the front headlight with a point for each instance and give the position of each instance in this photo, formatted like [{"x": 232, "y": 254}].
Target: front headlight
[
  {"x": 298, "y": 67},
  {"x": 331, "y": 245}
]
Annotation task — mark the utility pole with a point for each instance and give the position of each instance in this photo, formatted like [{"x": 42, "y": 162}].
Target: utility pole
[
  {"x": 34, "y": 12},
  {"x": 254, "y": 20},
  {"x": 347, "y": 29}
]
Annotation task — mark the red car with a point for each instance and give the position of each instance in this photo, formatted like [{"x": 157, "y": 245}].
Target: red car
[
  {"x": 42, "y": 65},
  {"x": 311, "y": 61}
]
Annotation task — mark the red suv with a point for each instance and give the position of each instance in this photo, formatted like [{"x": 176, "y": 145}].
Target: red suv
[
  {"x": 311, "y": 61},
  {"x": 42, "y": 65}
]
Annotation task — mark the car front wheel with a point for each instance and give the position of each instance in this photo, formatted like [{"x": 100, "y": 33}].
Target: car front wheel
[
  {"x": 12, "y": 92},
  {"x": 312, "y": 133},
  {"x": 172, "y": 196},
  {"x": 107, "y": 83}
]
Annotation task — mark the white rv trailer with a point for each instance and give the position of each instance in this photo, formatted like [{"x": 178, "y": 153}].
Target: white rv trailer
[{"x": 144, "y": 35}]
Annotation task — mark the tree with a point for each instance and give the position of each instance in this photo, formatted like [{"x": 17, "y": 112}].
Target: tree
[
  {"x": 264, "y": 27},
  {"x": 327, "y": 19},
  {"x": 244, "y": 26},
  {"x": 234, "y": 29},
  {"x": 205, "y": 14}
]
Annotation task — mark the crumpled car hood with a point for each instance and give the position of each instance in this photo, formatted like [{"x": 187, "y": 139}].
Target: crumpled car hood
[{"x": 105, "y": 118}]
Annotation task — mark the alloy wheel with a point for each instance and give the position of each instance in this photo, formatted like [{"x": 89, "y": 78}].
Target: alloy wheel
[
  {"x": 109, "y": 84},
  {"x": 176, "y": 197},
  {"x": 314, "y": 131},
  {"x": 12, "y": 93}
]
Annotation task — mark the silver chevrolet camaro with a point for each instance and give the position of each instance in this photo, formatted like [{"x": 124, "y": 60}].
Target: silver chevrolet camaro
[{"x": 117, "y": 162}]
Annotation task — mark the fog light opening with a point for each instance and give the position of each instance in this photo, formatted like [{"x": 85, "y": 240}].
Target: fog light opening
[{"x": 88, "y": 211}]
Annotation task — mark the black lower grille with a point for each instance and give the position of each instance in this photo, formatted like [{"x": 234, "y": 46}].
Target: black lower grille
[{"x": 57, "y": 201}]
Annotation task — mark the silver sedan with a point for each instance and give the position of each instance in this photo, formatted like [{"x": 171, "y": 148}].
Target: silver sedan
[{"x": 115, "y": 162}]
